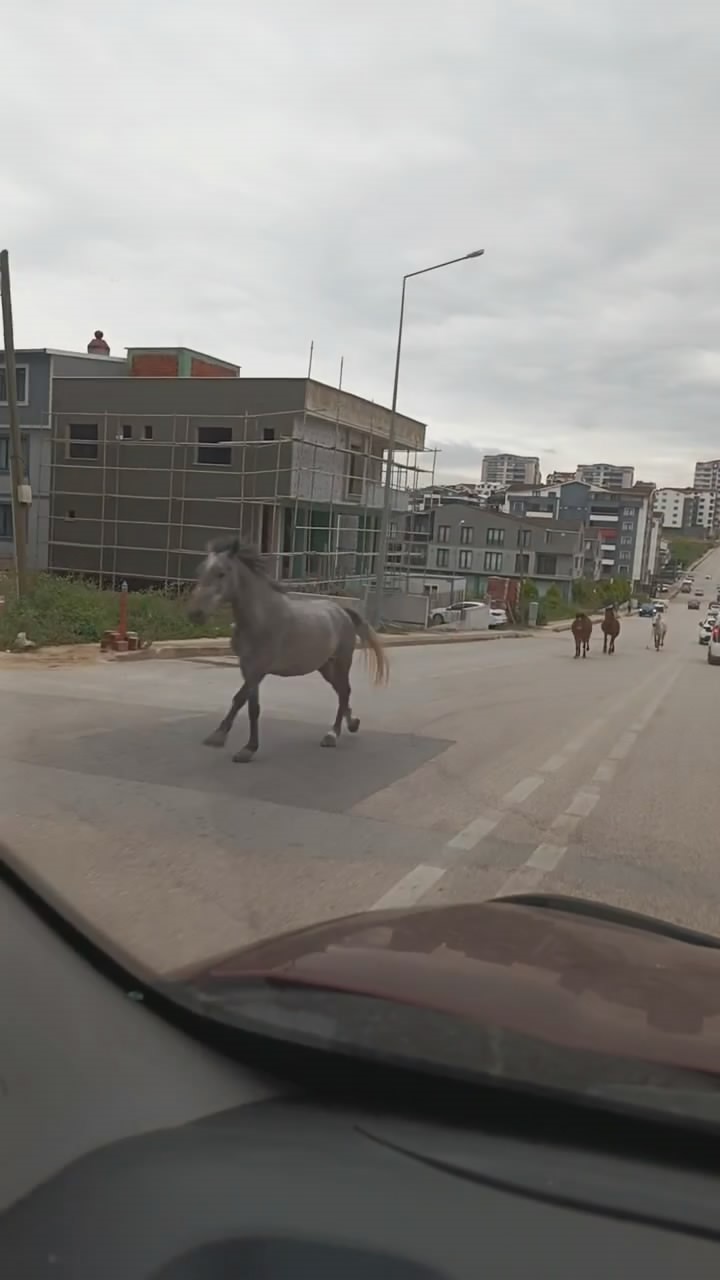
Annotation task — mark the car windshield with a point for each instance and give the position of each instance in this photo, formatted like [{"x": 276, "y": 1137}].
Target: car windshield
[{"x": 359, "y": 559}]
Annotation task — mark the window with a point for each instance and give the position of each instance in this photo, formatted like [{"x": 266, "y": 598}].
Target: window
[
  {"x": 21, "y": 382},
  {"x": 546, "y": 565},
  {"x": 493, "y": 561},
  {"x": 628, "y": 524},
  {"x": 147, "y": 431},
  {"x": 83, "y": 441},
  {"x": 127, "y": 431},
  {"x": 628, "y": 511},
  {"x": 495, "y": 537},
  {"x": 626, "y": 542},
  {"x": 522, "y": 563},
  {"x": 465, "y": 559},
  {"x": 523, "y": 538},
  {"x": 443, "y": 533},
  {"x": 268, "y": 433},
  {"x": 442, "y": 557},
  {"x": 466, "y": 533},
  {"x": 210, "y": 442},
  {"x": 6, "y": 524},
  {"x": 5, "y": 454}
]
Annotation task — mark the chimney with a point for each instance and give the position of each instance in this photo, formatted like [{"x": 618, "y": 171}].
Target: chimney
[{"x": 97, "y": 346}]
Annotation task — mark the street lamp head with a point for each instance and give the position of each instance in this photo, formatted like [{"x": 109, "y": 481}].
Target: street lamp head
[{"x": 476, "y": 253}]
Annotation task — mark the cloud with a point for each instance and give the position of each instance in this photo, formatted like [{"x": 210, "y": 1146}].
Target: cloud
[{"x": 263, "y": 177}]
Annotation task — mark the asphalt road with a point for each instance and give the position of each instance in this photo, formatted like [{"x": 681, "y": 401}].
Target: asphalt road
[{"x": 482, "y": 769}]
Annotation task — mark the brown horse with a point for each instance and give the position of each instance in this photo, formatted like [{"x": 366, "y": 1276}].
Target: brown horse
[
  {"x": 610, "y": 627},
  {"x": 582, "y": 631}
]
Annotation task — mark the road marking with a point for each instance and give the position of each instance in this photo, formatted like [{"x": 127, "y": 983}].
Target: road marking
[
  {"x": 521, "y": 790},
  {"x": 624, "y": 744},
  {"x": 605, "y": 771},
  {"x": 553, "y": 763},
  {"x": 475, "y": 831},
  {"x": 546, "y": 856},
  {"x": 583, "y": 803},
  {"x": 413, "y": 886}
]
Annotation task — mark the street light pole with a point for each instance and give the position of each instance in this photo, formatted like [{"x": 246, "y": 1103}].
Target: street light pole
[{"x": 381, "y": 557}]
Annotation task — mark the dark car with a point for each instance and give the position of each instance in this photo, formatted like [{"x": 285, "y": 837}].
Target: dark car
[{"x": 646, "y": 610}]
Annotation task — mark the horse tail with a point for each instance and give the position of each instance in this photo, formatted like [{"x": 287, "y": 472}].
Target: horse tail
[{"x": 375, "y": 654}]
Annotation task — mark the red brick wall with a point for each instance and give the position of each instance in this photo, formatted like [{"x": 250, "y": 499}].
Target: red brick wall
[
  {"x": 204, "y": 369},
  {"x": 154, "y": 366}
]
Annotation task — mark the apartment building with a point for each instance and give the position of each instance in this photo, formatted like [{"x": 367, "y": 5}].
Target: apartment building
[
  {"x": 37, "y": 369},
  {"x": 478, "y": 545},
  {"x": 623, "y": 519},
  {"x": 510, "y": 468},
  {"x": 675, "y": 506},
  {"x": 605, "y": 475},
  {"x": 707, "y": 475}
]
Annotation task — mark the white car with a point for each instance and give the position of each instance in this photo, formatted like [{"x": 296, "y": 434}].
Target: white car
[
  {"x": 705, "y": 629},
  {"x": 714, "y": 645},
  {"x": 456, "y": 612},
  {"x": 463, "y": 609}
]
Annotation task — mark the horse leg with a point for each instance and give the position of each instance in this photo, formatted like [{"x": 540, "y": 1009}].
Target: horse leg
[
  {"x": 337, "y": 676},
  {"x": 253, "y": 742},
  {"x": 605, "y": 644},
  {"x": 585, "y": 648},
  {"x": 218, "y": 736},
  {"x": 577, "y": 647}
]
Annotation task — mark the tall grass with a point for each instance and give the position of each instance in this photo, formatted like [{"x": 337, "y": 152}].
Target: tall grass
[{"x": 76, "y": 611}]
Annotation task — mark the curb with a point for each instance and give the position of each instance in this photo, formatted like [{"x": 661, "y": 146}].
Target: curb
[{"x": 167, "y": 649}]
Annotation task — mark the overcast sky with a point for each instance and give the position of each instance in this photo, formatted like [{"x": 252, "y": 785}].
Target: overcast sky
[{"x": 243, "y": 177}]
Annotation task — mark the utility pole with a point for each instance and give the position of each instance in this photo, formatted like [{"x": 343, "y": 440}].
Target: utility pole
[{"x": 17, "y": 462}]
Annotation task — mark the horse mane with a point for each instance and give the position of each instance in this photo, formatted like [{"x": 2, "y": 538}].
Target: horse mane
[{"x": 249, "y": 556}]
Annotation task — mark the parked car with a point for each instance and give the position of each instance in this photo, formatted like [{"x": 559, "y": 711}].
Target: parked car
[
  {"x": 699, "y": 591},
  {"x": 693, "y": 603},
  {"x": 498, "y": 617},
  {"x": 686, "y": 588},
  {"x": 659, "y": 606},
  {"x": 456, "y": 612},
  {"x": 705, "y": 629},
  {"x": 714, "y": 646}
]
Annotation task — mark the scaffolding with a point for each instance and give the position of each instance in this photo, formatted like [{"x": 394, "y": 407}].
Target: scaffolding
[{"x": 138, "y": 497}]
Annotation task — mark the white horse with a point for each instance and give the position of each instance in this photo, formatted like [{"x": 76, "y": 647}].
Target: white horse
[{"x": 659, "y": 630}]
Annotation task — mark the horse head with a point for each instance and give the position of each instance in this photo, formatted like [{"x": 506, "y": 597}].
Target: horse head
[{"x": 231, "y": 571}]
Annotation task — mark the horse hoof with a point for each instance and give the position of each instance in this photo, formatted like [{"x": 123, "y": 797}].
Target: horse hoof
[
  {"x": 353, "y": 725},
  {"x": 244, "y": 756},
  {"x": 215, "y": 739},
  {"x": 330, "y": 740}
]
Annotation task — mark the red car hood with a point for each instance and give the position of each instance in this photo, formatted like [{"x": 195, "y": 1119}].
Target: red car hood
[{"x": 570, "y": 973}]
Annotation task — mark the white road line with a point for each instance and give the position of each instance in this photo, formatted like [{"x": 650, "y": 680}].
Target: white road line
[
  {"x": 475, "y": 831},
  {"x": 565, "y": 824},
  {"x": 546, "y": 856},
  {"x": 605, "y": 771},
  {"x": 410, "y": 889},
  {"x": 583, "y": 803},
  {"x": 553, "y": 763},
  {"x": 623, "y": 746},
  {"x": 521, "y": 790}
]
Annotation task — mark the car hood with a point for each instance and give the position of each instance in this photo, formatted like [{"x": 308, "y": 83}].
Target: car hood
[{"x": 569, "y": 972}]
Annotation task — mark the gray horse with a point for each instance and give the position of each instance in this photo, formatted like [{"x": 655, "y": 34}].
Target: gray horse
[{"x": 276, "y": 634}]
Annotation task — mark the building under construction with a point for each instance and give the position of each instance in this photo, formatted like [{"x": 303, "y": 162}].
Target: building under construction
[{"x": 149, "y": 466}]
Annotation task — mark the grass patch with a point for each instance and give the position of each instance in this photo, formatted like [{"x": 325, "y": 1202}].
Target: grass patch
[
  {"x": 76, "y": 611},
  {"x": 685, "y": 551}
]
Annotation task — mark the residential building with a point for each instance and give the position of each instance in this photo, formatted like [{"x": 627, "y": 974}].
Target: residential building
[
  {"x": 177, "y": 450},
  {"x": 37, "y": 369},
  {"x": 688, "y": 510},
  {"x": 605, "y": 475},
  {"x": 560, "y": 477},
  {"x": 481, "y": 545},
  {"x": 510, "y": 468},
  {"x": 674, "y": 506},
  {"x": 622, "y": 517},
  {"x": 434, "y": 495},
  {"x": 707, "y": 475}
]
